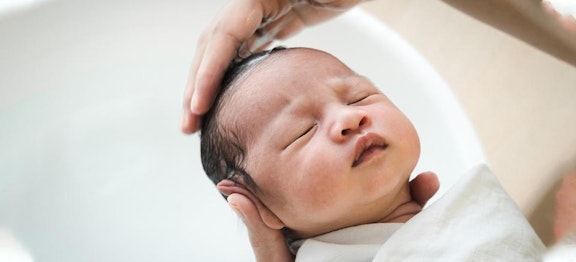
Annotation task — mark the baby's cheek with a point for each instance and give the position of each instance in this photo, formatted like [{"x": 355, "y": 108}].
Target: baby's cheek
[
  {"x": 319, "y": 175},
  {"x": 320, "y": 187}
]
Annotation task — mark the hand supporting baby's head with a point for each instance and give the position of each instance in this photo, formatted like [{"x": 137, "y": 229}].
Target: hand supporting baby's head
[{"x": 318, "y": 146}]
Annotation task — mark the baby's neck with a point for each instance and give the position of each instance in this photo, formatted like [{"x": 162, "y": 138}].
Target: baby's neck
[
  {"x": 403, "y": 208},
  {"x": 403, "y": 212}
]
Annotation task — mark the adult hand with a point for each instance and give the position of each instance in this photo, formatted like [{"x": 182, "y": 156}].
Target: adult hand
[
  {"x": 243, "y": 27},
  {"x": 269, "y": 244}
]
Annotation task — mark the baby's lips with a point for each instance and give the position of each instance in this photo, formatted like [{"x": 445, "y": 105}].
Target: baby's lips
[{"x": 365, "y": 143}]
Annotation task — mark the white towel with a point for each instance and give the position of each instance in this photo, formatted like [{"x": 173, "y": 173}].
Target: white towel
[{"x": 475, "y": 220}]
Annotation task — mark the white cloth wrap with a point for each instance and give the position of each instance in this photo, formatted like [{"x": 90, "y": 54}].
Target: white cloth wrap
[{"x": 475, "y": 220}]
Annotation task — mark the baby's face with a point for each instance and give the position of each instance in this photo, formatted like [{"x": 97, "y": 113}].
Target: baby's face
[{"x": 326, "y": 148}]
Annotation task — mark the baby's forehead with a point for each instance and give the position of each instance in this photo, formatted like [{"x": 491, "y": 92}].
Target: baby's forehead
[
  {"x": 279, "y": 79},
  {"x": 300, "y": 67},
  {"x": 275, "y": 82}
]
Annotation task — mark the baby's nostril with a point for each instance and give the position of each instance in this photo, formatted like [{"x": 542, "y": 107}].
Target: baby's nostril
[
  {"x": 344, "y": 132},
  {"x": 362, "y": 122}
]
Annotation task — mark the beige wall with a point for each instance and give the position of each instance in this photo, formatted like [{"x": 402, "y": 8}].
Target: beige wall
[{"x": 521, "y": 100}]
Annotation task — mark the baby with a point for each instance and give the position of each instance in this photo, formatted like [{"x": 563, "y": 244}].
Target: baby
[
  {"x": 324, "y": 151},
  {"x": 317, "y": 144}
]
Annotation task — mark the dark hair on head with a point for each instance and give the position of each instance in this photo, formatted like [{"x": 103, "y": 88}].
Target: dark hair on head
[{"x": 221, "y": 149}]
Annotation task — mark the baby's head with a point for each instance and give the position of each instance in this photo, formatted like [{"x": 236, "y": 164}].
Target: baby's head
[{"x": 318, "y": 145}]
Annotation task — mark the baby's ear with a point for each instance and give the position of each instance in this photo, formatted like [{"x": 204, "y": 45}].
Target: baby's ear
[{"x": 247, "y": 205}]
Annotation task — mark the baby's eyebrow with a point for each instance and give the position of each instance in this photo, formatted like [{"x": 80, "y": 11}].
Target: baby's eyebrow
[
  {"x": 357, "y": 79},
  {"x": 342, "y": 85}
]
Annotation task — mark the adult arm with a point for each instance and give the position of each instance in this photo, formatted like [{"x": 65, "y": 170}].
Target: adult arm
[{"x": 527, "y": 21}]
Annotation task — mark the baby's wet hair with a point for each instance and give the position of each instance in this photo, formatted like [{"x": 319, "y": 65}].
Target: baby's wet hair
[{"x": 221, "y": 147}]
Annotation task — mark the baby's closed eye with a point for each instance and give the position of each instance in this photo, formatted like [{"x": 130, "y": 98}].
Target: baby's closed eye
[
  {"x": 361, "y": 99},
  {"x": 306, "y": 132},
  {"x": 303, "y": 134}
]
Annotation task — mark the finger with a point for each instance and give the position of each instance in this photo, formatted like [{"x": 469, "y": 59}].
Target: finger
[
  {"x": 285, "y": 24},
  {"x": 191, "y": 122},
  {"x": 290, "y": 24},
  {"x": 248, "y": 211},
  {"x": 238, "y": 21},
  {"x": 267, "y": 244},
  {"x": 255, "y": 43},
  {"x": 290, "y": 29},
  {"x": 424, "y": 186},
  {"x": 276, "y": 17},
  {"x": 192, "y": 116},
  {"x": 336, "y": 4},
  {"x": 228, "y": 187},
  {"x": 219, "y": 53},
  {"x": 262, "y": 39}
]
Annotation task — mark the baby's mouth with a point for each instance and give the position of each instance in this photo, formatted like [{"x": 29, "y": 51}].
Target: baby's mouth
[{"x": 368, "y": 147}]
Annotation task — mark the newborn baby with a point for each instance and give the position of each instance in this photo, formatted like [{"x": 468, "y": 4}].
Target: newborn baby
[
  {"x": 327, "y": 158},
  {"x": 320, "y": 146}
]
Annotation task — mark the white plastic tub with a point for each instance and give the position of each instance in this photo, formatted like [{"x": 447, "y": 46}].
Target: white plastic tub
[{"x": 92, "y": 164}]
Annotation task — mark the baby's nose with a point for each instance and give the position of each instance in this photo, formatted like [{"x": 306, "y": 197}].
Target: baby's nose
[{"x": 349, "y": 121}]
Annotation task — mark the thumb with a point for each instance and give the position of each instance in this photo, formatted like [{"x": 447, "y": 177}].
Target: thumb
[
  {"x": 268, "y": 244},
  {"x": 248, "y": 212},
  {"x": 424, "y": 186}
]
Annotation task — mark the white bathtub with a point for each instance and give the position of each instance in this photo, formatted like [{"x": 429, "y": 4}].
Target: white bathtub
[{"x": 92, "y": 164}]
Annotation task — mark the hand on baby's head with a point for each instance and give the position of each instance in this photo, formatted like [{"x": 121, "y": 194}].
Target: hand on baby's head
[{"x": 318, "y": 145}]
